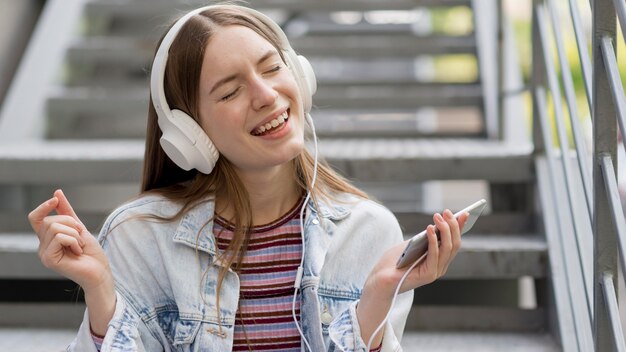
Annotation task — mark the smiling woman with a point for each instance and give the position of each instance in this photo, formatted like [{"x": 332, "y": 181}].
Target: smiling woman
[{"x": 239, "y": 239}]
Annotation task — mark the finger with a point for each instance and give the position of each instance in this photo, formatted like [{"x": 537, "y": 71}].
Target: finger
[
  {"x": 64, "y": 207},
  {"x": 445, "y": 246},
  {"x": 54, "y": 252},
  {"x": 433, "y": 253},
  {"x": 36, "y": 216},
  {"x": 455, "y": 230},
  {"x": 444, "y": 232},
  {"x": 54, "y": 224},
  {"x": 462, "y": 220},
  {"x": 66, "y": 230}
]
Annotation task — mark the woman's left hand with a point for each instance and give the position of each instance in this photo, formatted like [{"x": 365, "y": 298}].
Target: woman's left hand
[{"x": 384, "y": 277}]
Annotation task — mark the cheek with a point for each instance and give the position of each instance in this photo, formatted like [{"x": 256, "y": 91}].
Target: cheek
[{"x": 217, "y": 130}]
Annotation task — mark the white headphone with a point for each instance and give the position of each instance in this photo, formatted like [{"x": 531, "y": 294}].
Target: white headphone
[{"x": 183, "y": 140}]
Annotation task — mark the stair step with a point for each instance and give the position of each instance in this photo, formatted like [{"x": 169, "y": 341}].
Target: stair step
[
  {"x": 433, "y": 159},
  {"x": 349, "y": 123},
  {"x": 143, "y": 9},
  {"x": 362, "y": 159},
  {"x": 138, "y": 52},
  {"x": 44, "y": 315},
  {"x": 19, "y": 259},
  {"x": 126, "y": 102},
  {"x": 478, "y": 342},
  {"x": 42, "y": 339},
  {"x": 35, "y": 340},
  {"x": 484, "y": 257},
  {"x": 499, "y": 257},
  {"x": 383, "y": 45},
  {"x": 313, "y": 25},
  {"x": 347, "y": 71},
  {"x": 440, "y": 318},
  {"x": 79, "y": 162}
]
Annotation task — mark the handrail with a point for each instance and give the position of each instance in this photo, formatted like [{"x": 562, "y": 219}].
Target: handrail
[
  {"x": 606, "y": 238},
  {"x": 610, "y": 299},
  {"x": 611, "y": 303},
  {"x": 582, "y": 318},
  {"x": 610, "y": 184},
  {"x": 607, "y": 104},
  {"x": 553, "y": 84},
  {"x": 570, "y": 97},
  {"x": 615, "y": 205},
  {"x": 583, "y": 54},
  {"x": 617, "y": 91}
]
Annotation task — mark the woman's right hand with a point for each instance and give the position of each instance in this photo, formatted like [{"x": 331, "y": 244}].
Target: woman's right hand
[{"x": 66, "y": 246}]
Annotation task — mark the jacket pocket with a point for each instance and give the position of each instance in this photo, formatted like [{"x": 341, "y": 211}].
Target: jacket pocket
[
  {"x": 330, "y": 308},
  {"x": 202, "y": 336},
  {"x": 185, "y": 332}
]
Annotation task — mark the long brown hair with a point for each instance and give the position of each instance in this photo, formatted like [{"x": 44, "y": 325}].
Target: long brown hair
[{"x": 190, "y": 188}]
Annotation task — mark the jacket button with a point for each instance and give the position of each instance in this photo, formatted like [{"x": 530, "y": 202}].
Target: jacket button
[
  {"x": 327, "y": 318},
  {"x": 315, "y": 221}
]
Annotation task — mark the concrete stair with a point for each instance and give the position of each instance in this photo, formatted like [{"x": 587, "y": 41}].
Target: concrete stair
[
  {"x": 397, "y": 132},
  {"x": 44, "y": 340}
]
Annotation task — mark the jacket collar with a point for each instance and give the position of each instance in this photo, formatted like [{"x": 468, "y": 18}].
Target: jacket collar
[
  {"x": 329, "y": 209},
  {"x": 192, "y": 230},
  {"x": 193, "y": 222}
]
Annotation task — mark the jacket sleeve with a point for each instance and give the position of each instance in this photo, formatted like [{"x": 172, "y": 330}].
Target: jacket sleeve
[
  {"x": 344, "y": 330},
  {"x": 345, "y": 333},
  {"x": 123, "y": 333},
  {"x": 126, "y": 330}
]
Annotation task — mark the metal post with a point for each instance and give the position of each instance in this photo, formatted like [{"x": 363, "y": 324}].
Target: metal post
[
  {"x": 538, "y": 79},
  {"x": 605, "y": 144},
  {"x": 500, "y": 63}
]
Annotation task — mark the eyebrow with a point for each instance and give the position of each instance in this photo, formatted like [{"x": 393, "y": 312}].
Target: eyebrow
[{"x": 270, "y": 53}]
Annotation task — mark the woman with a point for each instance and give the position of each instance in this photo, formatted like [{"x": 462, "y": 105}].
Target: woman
[{"x": 234, "y": 213}]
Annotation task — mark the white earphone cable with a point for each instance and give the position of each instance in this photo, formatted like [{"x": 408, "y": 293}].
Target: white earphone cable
[
  {"x": 304, "y": 205},
  {"x": 301, "y": 270},
  {"x": 393, "y": 301}
]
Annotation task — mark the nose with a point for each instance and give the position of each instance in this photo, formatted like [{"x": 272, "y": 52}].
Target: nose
[{"x": 263, "y": 93}]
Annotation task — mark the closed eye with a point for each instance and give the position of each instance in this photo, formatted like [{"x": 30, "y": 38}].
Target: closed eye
[
  {"x": 275, "y": 69},
  {"x": 229, "y": 95}
]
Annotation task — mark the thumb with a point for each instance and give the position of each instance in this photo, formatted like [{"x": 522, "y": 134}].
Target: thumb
[{"x": 65, "y": 208}]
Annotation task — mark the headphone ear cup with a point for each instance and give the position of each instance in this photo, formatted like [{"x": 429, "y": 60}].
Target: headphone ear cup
[
  {"x": 304, "y": 75},
  {"x": 309, "y": 74},
  {"x": 186, "y": 143}
]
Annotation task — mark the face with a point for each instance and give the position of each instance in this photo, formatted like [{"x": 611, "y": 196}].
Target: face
[{"x": 250, "y": 106}]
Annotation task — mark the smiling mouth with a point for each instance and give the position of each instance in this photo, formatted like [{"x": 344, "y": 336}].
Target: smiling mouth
[{"x": 272, "y": 126}]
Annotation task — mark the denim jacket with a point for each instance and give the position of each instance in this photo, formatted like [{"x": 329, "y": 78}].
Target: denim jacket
[{"x": 166, "y": 273}]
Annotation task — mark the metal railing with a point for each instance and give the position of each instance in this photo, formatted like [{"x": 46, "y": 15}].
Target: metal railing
[{"x": 591, "y": 232}]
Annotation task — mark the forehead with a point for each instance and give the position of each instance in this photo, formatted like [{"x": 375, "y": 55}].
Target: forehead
[{"x": 232, "y": 45}]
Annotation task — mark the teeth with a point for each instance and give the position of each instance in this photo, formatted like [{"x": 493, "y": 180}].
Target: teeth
[{"x": 272, "y": 124}]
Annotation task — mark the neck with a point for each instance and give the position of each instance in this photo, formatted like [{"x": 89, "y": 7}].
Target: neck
[{"x": 272, "y": 192}]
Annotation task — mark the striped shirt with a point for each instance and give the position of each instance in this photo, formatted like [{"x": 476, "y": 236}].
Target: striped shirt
[{"x": 264, "y": 319}]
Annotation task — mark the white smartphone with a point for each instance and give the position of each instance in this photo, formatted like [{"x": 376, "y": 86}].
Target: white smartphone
[{"x": 418, "y": 244}]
